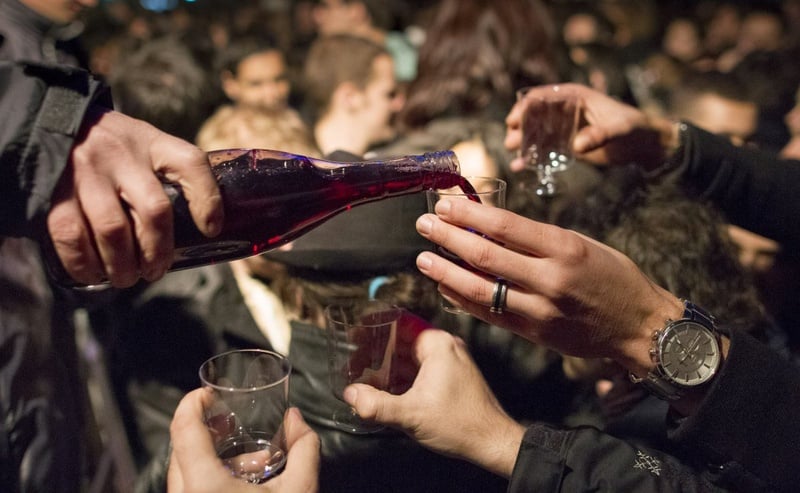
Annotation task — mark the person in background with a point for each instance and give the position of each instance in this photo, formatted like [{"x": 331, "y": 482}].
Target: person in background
[
  {"x": 373, "y": 20},
  {"x": 162, "y": 79},
  {"x": 253, "y": 72},
  {"x": 351, "y": 94}
]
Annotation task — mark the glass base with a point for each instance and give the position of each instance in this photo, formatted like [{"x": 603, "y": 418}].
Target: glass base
[{"x": 349, "y": 421}]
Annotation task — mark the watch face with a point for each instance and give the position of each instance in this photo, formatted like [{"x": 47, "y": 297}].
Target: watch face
[{"x": 688, "y": 353}]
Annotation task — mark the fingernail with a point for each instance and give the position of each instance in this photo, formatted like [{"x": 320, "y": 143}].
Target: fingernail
[
  {"x": 424, "y": 225},
  {"x": 443, "y": 207},
  {"x": 424, "y": 261}
]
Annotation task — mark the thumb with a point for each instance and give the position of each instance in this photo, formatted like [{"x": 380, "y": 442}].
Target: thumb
[
  {"x": 373, "y": 404},
  {"x": 588, "y": 139}
]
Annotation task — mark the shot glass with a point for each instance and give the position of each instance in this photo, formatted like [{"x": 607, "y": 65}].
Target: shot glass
[
  {"x": 250, "y": 397},
  {"x": 488, "y": 191},
  {"x": 549, "y": 124},
  {"x": 361, "y": 336}
]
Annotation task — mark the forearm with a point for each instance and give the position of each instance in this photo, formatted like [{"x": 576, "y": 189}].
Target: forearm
[
  {"x": 755, "y": 190},
  {"x": 585, "y": 459}
]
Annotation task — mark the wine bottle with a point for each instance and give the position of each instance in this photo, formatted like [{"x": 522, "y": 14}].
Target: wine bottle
[{"x": 273, "y": 197}]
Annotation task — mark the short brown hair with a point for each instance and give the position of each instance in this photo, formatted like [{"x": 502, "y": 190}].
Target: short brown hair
[{"x": 336, "y": 59}]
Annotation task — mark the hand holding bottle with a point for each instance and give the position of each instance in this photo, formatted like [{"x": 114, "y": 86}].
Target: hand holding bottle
[{"x": 110, "y": 217}]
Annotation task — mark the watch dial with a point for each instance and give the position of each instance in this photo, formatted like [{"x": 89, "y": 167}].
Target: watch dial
[{"x": 689, "y": 353}]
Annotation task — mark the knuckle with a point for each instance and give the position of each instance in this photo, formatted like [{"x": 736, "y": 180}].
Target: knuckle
[
  {"x": 113, "y": 230},
  {"x": 482, "y": 256}
]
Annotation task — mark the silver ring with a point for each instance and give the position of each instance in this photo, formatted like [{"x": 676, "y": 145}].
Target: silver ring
[{"x": 499, "y": 297}]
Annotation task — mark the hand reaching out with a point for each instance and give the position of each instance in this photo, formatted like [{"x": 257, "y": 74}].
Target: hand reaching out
[{"x": 449, "y": 408}]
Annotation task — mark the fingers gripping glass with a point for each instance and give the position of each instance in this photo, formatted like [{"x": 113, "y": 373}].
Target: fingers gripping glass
[
  {"x": 250, "y": 398},
  {"x": 361, "y": 337}
]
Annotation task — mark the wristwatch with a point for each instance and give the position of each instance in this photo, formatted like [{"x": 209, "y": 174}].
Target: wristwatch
[{"x": 686, "y": 352}]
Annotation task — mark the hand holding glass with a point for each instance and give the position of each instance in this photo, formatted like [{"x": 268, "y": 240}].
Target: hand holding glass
[
  {"x": 250, "y": 397},
  {"x": 548, "y": 130},
  {"x": 361, "y": 339},
  {"x": 489, "y": 191}
]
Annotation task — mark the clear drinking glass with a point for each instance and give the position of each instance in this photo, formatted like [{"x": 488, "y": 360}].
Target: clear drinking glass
[
  {"x": 489, "y": 191},
  {"x": 250, "y": 398},
  {"x": 549, "y": 125},
  {"x": 361, "y": 339}
]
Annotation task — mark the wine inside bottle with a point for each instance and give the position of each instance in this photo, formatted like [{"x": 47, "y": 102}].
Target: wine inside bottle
[{"x": 272, "y": 197}]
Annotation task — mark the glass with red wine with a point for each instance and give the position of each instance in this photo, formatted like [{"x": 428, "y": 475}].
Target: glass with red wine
[{"x": 486, "y": 190}]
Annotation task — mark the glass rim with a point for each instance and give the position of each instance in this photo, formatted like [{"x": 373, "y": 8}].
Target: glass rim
[
  {"x": 501, "y": 186},
  {"x": 284, "y": 361},
  {"x": 390, "y": 307}
]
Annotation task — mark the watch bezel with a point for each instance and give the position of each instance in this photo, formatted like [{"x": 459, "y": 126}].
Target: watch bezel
[{"x": 665, "y": 352}]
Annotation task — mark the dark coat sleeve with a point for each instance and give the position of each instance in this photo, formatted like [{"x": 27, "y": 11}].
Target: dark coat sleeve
[
  {"x": 756, "y": 190},
  {"x": 586, "y": 459},
  {"x": 42, "y": 107},
  {"x": 748, "y": 426}
]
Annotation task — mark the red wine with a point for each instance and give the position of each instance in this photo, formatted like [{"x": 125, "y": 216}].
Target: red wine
[{"x": 272, "y": 197}]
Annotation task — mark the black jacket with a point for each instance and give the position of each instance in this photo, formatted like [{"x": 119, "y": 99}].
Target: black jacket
[{"x": 42, "y": 103}]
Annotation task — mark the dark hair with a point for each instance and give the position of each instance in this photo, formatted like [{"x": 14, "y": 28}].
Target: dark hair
[
  {"x": 242, "y": 47},
  {"x": 678, "y": 242},
  {"x": 335, "y": 59},
  {"x": 694, "y": 84},
  {"x": 162, "y": 84},
  {"x": 476, "y": 54}
]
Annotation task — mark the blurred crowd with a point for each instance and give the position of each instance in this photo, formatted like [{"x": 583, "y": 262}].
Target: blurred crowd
[{"x": 377, "y": 78}]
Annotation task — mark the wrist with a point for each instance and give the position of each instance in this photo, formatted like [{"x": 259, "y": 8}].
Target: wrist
[
  {"x": 635, "y": 356},
  {"x": 499, "y": 452},
  {"x": 670, "y": 142}
]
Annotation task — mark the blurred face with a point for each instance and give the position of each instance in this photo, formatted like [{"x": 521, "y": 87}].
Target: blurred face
[
  {"x": 760, "y": 31},
  {"x": 579, "y": 29},
  {"x": 735, "y": 119},
  {"x": 60, "y": 11},
  {"x": 334, "y": 16},
  {"x": 682, "y": 40},
  {"x": 261, "y": 81},
  {"x": 381, "y": 100}
]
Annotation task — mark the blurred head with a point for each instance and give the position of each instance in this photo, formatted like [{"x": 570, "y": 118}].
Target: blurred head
[
  {"x": 345, "y": 16},
  {"x": 60, "y": 11},
  {"x": 351, "y": 76},
  {"x": 476, "y": 54},
  {"x": 682, "y": 40},
  {"x": 232, "y": 127},
  {"x": 254, "y": 73},
  {"x": 162, "y": 83},
  {"x": 717, "y": 103},
  {"x": 586, "y": 26},
  {"x": 761, "y": 30}
]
